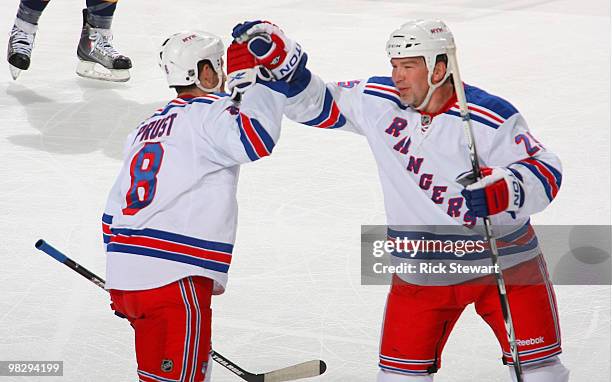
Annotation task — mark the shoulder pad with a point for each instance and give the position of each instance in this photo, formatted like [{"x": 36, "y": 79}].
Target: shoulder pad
[{"x": 486, "y": 108}]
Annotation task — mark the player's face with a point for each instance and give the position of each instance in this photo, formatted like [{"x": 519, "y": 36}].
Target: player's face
[{"x": 410, "y": 78}]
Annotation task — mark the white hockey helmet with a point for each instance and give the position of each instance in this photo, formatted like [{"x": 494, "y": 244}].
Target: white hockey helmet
[
  {"x": 422, "y": 38},
  {"x": 180, "y": 54}
]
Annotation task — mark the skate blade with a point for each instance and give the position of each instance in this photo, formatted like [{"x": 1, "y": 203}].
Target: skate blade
[
  {"x": 95, "y": 71},
  {"x": 15, "y": 72}
]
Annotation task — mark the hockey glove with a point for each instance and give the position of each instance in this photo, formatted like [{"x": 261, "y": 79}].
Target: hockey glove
[
  {"x": 499, "y": 190},
  {"x": 271, "y": 48},
  {"x": 242, "y": 70}
]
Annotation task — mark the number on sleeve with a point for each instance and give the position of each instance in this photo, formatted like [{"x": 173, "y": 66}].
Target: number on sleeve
[
  {"x": 143, "y": 172},
  {"x": 531, "y": 149}
]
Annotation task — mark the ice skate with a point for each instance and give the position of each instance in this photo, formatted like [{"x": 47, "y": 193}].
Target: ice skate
[
  {"x": 98, "y": 58},
  {"x": 20, "y": 46}
]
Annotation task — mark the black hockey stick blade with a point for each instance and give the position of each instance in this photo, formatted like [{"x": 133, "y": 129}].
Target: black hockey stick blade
[{"x": 302, "y": 370}]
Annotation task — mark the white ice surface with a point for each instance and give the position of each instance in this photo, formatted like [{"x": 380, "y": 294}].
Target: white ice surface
[{"x": 294, "y": 292}]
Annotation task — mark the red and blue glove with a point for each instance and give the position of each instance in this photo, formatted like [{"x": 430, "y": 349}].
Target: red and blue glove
[
  {"x": 499, "y": 190},
  {"x": 271, "y": 48},
  {"x": 243, "y": 70}
]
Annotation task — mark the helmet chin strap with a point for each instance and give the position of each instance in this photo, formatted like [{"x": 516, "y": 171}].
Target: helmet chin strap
[{"x": 432, "y": 88}]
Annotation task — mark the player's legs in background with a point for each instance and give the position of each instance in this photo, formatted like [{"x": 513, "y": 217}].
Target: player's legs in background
[
  {"x": 418, "y": 321},
  {"x": 21, "y": 41},
  {"x": 535, "y": 318},
  {"x": 172, "y": 326},
  {"x": 96, "y": 49}
]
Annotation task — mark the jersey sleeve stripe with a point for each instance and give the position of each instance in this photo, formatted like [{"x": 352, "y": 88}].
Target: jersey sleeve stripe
[
  {"x": 330, "y": 116},
  {"x": 248, "y": 148},
  {"x": 540, "y": 177},
  {"x": 252, "y": 142},
  {"x": 488, "y": 113},
  {"x": 546, "y": 177},
  {"x": 475, "y": 116},
  {"x": 556, "y": 173},
  {"x": 387, "y": 96},
  {"x": 383, "y": 88},
  {"x": 550, "y": 177},
  {"x": 263, "y": 134}
]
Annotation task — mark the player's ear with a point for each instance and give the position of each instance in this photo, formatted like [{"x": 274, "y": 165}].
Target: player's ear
[
  {"x": 439, "y": 71},
  {"x": 208, "y": 76}
]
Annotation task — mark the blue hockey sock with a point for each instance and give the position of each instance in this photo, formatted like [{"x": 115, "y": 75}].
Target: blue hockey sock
[
  {"x": 100, "y": 13},
  {"x": 30, "y": 10}
]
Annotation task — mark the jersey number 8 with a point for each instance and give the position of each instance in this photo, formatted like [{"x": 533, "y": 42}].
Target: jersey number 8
[{"x": 143, "y": 171}]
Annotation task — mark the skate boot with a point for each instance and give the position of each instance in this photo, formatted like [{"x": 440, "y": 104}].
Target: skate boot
[
  {"x": 20, "y": 46},
  {"x": 98, "y": 59}
]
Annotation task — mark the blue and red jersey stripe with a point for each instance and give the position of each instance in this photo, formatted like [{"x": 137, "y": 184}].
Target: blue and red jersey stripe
[
  {"x": 330, "y": 116},
  {"x": 255, "y": 139},
  {"x": 107, "y": 220},
  {"x": 178, "y": 102},
  {"x": 549, "y": 176},
  {"x": 212, "y": 255},
  {"x": 383, "y": 87}
]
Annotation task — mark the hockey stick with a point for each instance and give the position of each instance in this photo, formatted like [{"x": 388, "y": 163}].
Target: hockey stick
[
  {"x": 501, "y": 285},
  {"x": 302, "y": 370}
]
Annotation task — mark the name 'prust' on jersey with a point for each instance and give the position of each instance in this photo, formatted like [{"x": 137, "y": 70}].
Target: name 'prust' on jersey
[{"x": 155, "y": 128}]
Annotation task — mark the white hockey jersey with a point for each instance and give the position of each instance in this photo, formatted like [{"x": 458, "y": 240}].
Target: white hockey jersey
[
  {"x": 419, "y": 157},
  {"x": 172, "y": 211}
]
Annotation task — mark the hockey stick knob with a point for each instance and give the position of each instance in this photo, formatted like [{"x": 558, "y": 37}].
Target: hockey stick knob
[{"x": 49, "y": 250}]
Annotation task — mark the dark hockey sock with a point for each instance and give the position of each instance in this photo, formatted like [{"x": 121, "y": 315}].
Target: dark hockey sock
[
  {"x": 30, "y": 10},
  {"x": 100, "y": 13}
]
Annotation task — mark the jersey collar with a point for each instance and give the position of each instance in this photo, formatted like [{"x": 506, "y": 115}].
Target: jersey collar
[{"x": 427, "y": 118}]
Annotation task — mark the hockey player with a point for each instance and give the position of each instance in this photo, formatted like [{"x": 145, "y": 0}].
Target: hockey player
[
  {"x": 98, "y": 58},
  {"x": 412, "y": 123},
  {"x": 170, "y": 220}
]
